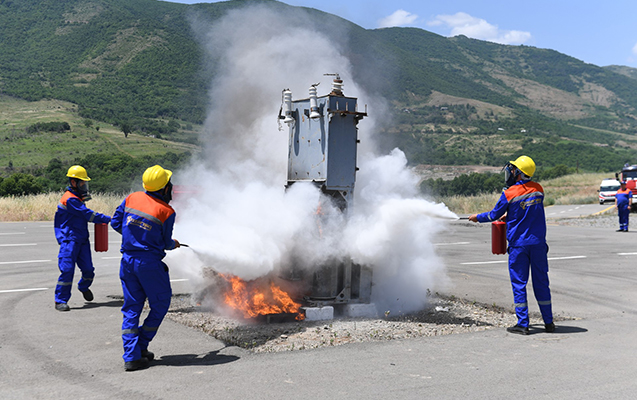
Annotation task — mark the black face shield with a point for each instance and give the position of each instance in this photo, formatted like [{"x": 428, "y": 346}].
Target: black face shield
[
  {"x": 168, "y": 192},
  {"x": 511, "y": 174},
  {"x": 80, "y": 189}
]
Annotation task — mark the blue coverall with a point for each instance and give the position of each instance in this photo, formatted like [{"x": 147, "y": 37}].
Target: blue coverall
[
  {"x": 523, "y": 204},
  {"x": 146, "y": 224},
  {"x": 623, "y": 208},
  {"x": 71, "y": 231}
]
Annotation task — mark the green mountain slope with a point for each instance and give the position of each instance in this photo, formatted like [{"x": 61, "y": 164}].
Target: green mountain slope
[
  {"x": 621, "y": 69},
  {"x": 454, "y": 100}
]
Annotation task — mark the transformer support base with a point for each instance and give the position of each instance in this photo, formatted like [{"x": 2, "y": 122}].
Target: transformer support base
[
  {"x": 319, "y": 313},
  {"x": 354, "y": 310}
]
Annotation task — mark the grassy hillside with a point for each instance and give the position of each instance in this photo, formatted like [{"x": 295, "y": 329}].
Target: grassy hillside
[
  {"x": 46, "y": 154},
  {"x": 24, "y": 151},
  {"x": 137, "y": 64},
  {"x": 621, "y": 69},
  {"x": 105, "y": 56}
]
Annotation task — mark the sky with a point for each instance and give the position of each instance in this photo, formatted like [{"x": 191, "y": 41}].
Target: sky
[{"x": 601, "y": 33}]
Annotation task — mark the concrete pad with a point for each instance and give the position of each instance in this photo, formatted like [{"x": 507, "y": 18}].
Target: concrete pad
[
  {"x": 360, "y": 310},
  {"x": 319, "y": 313}
]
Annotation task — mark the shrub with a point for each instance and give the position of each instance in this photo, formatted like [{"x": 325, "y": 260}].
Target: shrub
[
  {"x": 49, "y": 127},
  {"x": 552, "y": 173},
  {"x": 20, "y": 184},
  {"x": 464, "y": 185}
]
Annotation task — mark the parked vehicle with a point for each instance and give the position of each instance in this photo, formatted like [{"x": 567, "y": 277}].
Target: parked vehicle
[{"x": 607, "y": 190}]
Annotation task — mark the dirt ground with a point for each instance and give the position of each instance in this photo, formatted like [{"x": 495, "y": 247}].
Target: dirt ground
[{"x": 442, "y": 316}]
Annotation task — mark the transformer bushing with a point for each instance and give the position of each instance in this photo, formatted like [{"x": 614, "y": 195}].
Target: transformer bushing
[{"x": 323, "y": 139}]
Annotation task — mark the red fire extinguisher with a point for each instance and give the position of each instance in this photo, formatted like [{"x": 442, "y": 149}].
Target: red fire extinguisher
[
  {"x": 101, "y": 237},
  {"x": 498, "y": 237}
]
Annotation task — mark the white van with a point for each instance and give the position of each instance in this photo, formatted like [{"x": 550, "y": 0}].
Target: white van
[{"x": 607, "y": 190}]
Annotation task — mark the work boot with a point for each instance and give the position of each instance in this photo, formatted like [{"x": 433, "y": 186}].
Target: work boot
[
  {"x": 549, "y": 327},
  {"x": 148, "y": 354},
  {"x": 88, "y": 295},
  {"x": 520, "y": 330},
  {"x": 135, "y": 365},
  {"x": 62, "y": 307}
]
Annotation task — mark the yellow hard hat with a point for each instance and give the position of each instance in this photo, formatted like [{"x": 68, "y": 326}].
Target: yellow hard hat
[
  {"x": 78, "y": 172},
  {"x": 156, "y": 178},
  {"x": 525, "y": 164}
]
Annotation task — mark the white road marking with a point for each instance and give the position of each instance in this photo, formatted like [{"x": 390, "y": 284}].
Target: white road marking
[
  {"x": 626, "y": 254},
  {"x": 24, "y": 262},
  {"x": 18, "y": 244},
  {"x": 565, "y": 258},
  {"x": 485, "y": 262},
  {"x": 12, "y": 233},
  {"x": 22, "y": 290},
  {"x": 450, "y": 244},
  {"x": 179, "y": 280},
  {"x": 506, "y": 261}
]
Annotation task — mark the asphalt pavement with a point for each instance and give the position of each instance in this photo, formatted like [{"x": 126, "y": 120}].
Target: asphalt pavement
[{"x": 46, "y": 354}]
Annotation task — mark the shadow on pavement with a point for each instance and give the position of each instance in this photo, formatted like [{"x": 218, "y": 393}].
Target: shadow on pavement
[
  {"x": 112, "y": 303},
  {"x": 559, "y": 329},
  {"x": 212, "y": 358}
]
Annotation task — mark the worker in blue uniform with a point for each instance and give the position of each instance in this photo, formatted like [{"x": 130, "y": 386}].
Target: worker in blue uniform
[
  {"x": 71, "y": 232},
  {"x": 623, "y": 203},
  {"x": 145, "y": 221},
  {"x": 523, "y": 203}
]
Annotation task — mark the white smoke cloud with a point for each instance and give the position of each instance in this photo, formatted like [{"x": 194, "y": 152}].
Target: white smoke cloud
[
  {"x": 477, "y": 28},
  {"x": 392, "y": 229},
  {"x": 242, "y": 220},
  {"x": 398, "y": 18}
]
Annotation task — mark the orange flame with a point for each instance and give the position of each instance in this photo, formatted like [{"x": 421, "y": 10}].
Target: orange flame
[{"x": 257, "y": 297}]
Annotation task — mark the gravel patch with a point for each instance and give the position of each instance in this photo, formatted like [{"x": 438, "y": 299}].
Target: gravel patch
[{"x": 443, "y": 316}]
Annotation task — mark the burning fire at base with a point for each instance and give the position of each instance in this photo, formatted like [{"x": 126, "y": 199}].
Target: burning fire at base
[{"x": 258, "y": 298}]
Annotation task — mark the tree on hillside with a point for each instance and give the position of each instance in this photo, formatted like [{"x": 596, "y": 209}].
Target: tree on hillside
[{"x": 126, "y": 128}]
